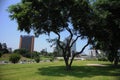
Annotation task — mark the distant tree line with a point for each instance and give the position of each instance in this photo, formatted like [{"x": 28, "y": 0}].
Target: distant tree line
[{"x": 3, "y": 49}]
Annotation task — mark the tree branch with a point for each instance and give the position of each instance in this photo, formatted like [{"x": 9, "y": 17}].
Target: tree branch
[
  {"x": 79, "y": 52},
  {"x": 74, "y": 41},
  {"x": 82, "y": 48},
  {"x": 68, "y": 47},
  {"x": 58, "y": 41},
  {"x": 71, "y": 35}
]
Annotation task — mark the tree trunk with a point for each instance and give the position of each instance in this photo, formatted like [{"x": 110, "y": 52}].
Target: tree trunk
[
  {"x": 72, "y": 59},
  {"x": 68, "y": 66},
  {"x": 116, "y": 60}
]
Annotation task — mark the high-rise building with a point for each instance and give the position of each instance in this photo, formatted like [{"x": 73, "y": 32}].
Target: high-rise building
[{"x": 27, "y": 42}]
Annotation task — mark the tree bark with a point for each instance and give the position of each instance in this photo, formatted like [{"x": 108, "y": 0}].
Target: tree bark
[
  {"x": 68, "y": 66},
  {"x": 72, "y": 59},
  {"x": 116, "y": 60}
]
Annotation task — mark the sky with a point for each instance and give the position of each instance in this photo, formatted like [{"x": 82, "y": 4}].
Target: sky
[{"x": 10, "y": 35}]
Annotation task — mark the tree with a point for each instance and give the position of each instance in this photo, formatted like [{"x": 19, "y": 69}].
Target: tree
[
  {"x": 107, "y": 39},
  {"x": 44, "y": 52},
  {"x": 4, "y": 45},
  {"x": 14, "y": 58},
  {"x": 1, "y": 53},
  {"x": 0, "y": 46},
  {"x": 3, "y": 48},
  {"x": 46, "y": 16},
  {"x": 23, "y": 52}
]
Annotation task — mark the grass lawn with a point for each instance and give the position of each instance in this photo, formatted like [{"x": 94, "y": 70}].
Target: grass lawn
[{"x": 55, "y": 71}]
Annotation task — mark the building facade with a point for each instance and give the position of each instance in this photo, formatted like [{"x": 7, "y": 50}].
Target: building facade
[{"x": 27, "y": 42}]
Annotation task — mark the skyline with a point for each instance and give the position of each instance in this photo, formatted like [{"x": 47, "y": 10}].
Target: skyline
[{"x": 11, "y": 36}]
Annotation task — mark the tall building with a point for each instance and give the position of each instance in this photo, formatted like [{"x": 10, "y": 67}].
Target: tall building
[{"x": 27, "y": 42}]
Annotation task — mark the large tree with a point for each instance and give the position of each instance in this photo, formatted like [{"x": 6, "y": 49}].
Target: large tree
[
  {"x": 108, "y": 26},
  {"x": 46, "y": 16}
]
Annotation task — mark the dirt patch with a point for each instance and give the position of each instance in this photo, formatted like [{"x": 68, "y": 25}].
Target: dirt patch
[{"x": 96, "y": 65}]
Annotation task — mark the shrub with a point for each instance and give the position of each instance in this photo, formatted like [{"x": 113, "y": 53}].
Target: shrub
[
  {"x": 1, "y": 53},
  {"x": 14, "y": 58},
  {"x": 35, "y": 54},
  {"x": 27, "y": 55},
  {"x": 23, "y": 52},
  {"x": 102, "y": 59},
  {"x": 52, "y": 59},
  {"x": 37, "y": 60}
]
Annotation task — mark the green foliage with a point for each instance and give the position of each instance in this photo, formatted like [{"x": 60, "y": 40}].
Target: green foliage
[
  {"x": 108, "y": 26},
  {"x": 23, "y": 52},
  {"x": 44, "y": 52},
  {"x": 3, "y": 48},
  {"x": 52, "y": 58},
  {"x": 111, "y": 58},
  {"x": 35, "y": 54},
  {"x": 102, "y": 59},
  {"x": 14, "y": 58},
  {"x": 37, "y": 59},
  {"x": 1, "y": 53},
  {"x": 44, "y": 16}
]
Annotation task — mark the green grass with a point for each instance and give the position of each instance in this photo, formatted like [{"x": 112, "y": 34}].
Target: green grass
[
  {"x": 56, "y": 71},
  {"x": 5, "y": 57},
  {"x": 45, "y": 57}
]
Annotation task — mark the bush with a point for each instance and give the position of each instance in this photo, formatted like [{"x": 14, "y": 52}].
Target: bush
[
  {"x": 52, "y": 59},
  {"x": 14, "y": 58},
  {"x": 37, "y": 60},
  {"x": 27, "y": 55},
  {"x": 23, "y": 52},
  {"x": 35, "y": 54},
  {"x": 102, "y": 59},
  {"x": 1, "y": 53}
]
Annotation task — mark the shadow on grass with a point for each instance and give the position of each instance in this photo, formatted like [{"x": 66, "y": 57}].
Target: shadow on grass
[{"x": 80, "y": 71}]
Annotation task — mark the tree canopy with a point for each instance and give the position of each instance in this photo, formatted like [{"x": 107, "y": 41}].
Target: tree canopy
[
  {"x": 107, "y": 39},
  {"x": 96, "y": 21},
  {"x": 45, "y": 16}
]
